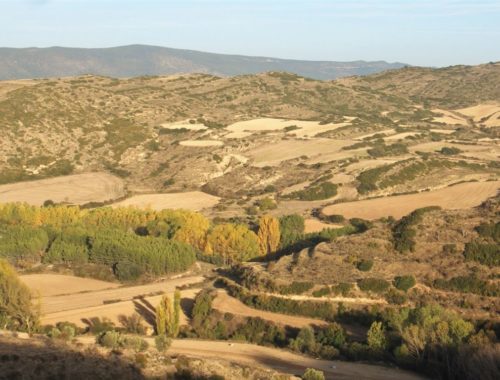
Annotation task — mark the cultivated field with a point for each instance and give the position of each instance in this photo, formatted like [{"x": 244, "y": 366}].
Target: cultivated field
[
  {"x": 449, "y": 117},
  {"x": 74, "y": 189},
  {"x": 463, "y": 195},
  {"x": 483, "y": 114},
  {"x": 58, "y": 284},
  {"x": 227, "y": 304},
  {"x": 315, "y": 225},
  {"x": 76, "y": 305},
  {"x": 193, "y": 200},
  {"x": 317, "y": 149}
]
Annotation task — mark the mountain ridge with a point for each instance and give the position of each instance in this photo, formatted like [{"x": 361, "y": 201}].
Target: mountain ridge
[{"x": 137, "y": 60}]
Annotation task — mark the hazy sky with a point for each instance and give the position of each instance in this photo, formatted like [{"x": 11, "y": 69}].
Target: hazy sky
[{"x": 435, "y": 33}]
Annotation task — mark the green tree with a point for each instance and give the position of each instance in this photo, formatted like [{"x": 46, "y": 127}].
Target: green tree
[
  {"x": 376, "y": 337},
  {"x": 165, "y": 321},
  {"x": 177, "y": 312},
  {"x": 313, "y": 374},
  {"x": 291, "y": 229}
]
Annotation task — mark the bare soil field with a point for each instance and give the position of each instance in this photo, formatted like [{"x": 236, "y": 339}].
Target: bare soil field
[
  {"x": 227, "y": 304},
  {"x": 449, "y": 117},
  {"x": 484, "y": 114},
  {"x": 201, "y": 143},
  {"x": 193, "y": 200},
  {"x": 479, "y": 151},
  {"x": 104, "y": 303},
  {"x": 463, "y": 195},
  {"x": 304, "y": 128},
  {"x": 57, "y": 284},
  {"x": 74, "y": 189},
  {"x": 400, "y": 136}
]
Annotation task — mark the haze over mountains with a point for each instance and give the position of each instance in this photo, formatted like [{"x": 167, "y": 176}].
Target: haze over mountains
[{"x": 137, "y": 60}]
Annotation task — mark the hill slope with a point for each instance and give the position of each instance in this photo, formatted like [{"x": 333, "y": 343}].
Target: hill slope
[{"x": 137, "y": 60}]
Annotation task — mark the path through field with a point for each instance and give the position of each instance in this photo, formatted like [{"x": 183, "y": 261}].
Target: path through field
[{"x": 464, "y": 195}]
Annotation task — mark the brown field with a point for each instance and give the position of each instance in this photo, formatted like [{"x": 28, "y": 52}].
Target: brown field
[
  {"x": 400, "y": 136},
  {"x": 185, "y": 125},
  {"x": 74, "y": 189},
  {"x": 57, "y": 284},
  {"x": 315, "y": 225},
  {"x": 463, "y": 195},
  {"x": 484, "y": 114},
  {"x": 306, "y": 128},
  {"x": 76, "y": 305},
  {"x": 227, "y": 304},
  {"x": 275, "y": 154},
  {"x": 193, "y": 200},
  {"x": 479, "y": 151},
  {"x": 449, "y": 117}
]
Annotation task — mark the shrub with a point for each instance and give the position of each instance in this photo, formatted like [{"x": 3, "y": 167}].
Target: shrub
[
  {"x": 450, "y": 249},
  {"x": 335, "y": 218},
  {"x": 484, "y": 253},
  {"x": 376, "y": 285},
  {"x": 296, "y": 287},
  {"x": 365, "y": 265},
  {"x": 342, "y": 288},
  {"x": 468, "y": 284},
  {"x": 404, "y": 283},
  {"x": 313, "y": 374},
  {"x": 109, "y": 339},
  {"x": 375, "y": 337},
  {"x": 449, "y": 151},
  {"x": 388, "y": 150},
  {"x": 322, "y": 292},
  {"x": 162, "y": 343},
  {"x": 321, "y": 191},
  {"x": 266, "y": 204},
  {"x": 132, "y": 324},
  {"x": 489, "y": 230},
  {"x": 135, "y": 343},
  {"x": 403, "y": 233},
  {"x": 291, "y": 230}
]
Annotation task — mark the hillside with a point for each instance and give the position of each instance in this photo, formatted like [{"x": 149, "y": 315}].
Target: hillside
[
  {"x": 247, "y": 136},
  {"x": 138, "y": 60}
]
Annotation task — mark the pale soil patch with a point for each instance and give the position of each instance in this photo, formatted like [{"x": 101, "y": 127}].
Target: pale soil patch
[
  {"x": 340, "y": 155},
  {"x": 227, "y": 304},
  {"x": 306, "y": 128},
  {"x": 385, "y": 131},
  {"x": 443, "y": 131},
  {"x": 449, "y": 117},
  {"x": 75, "y": 189},
  {"x": 464, "y": 195},
  {"x": 357, "y": 300},
  {"x": 274, "y": 154},
  {"x": 342, "y": 178},
  {"x": 369, "y": 164},
  {"x": 7, "y": 86},
  {"x": 201, "y": 143},
  {"x": 192, "y": 200},
  {"x": 56, "y": 284},
  {"x": 315, "y": 225},
  {"x": 400, "y": 136},
  {"x": 185, "y": 125},
  {"x": 484, "y": 114}
]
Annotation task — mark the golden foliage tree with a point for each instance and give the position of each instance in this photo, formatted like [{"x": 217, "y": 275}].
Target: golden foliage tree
[
  {"x": 269, "y": 234},
  {"x": 234, "y": 242},
  {"x": 16, "y": 308}
]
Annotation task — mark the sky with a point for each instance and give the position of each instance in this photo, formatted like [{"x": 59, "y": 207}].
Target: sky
[{"x": 423, "y": 32}]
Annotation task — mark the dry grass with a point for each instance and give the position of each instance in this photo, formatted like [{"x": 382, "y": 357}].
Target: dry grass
[
  {"x": 315, "y": 225},
  {"x": 484, "y": 114},
  {"x": 460, "y": 196},
  {"x": 449, "y": 117},
  {"x": 193, "y": 200},
  {"x": 74, "y": 189}
]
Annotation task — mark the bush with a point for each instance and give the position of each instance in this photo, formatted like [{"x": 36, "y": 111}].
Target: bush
[
  {"x": 404, "y": 283},
  {"x": 321, "y": 191},
  {"x": 162, "y": 343},
  {"x": 342, "y": 288},
  {"x": 322, "y": 292},
  {"x": 132, "y": 324},
  {"x": 296, "y": 287},
  {"x": 365, "y": 265},
  {"x": 313, "y": 374},
  {"x": 388, "y": 150},
  {"x": 468, "y": 284},
  {"x": 109, "y": 339},
  {"x": 449, "y": 249},
  {"x": 449, "y": 151},
  {"x": 489, "y": 230},
  {"x": 376, "y": 285},
  {"x": 335, "y": 218},
  {"x": 403, "y": 232},
  {"x": 266, "y": 204},
  {"x": 135, "y": 343},
  {"x": 484, "y": 253}
]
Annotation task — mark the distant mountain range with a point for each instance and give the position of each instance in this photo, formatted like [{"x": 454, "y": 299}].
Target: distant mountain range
[{"x": 137, "y": 60}]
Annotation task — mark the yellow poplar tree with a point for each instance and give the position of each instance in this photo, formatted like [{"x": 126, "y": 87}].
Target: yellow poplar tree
[{"x": 269, "y": 234}]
